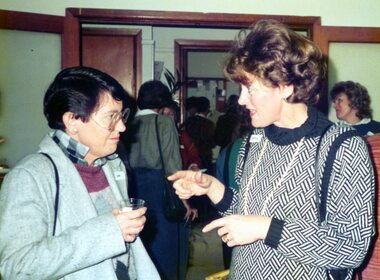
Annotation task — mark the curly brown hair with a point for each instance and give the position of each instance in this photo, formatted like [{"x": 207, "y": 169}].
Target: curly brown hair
[
  {"x": 277, "y": 55},
  {"x": 357, "y": 95}
]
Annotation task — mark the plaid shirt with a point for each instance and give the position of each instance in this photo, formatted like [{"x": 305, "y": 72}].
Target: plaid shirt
[{"x": 75, "y": 150}]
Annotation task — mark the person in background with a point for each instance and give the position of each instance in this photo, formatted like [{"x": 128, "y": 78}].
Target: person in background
[
  {"x": 203, "y": 106},
  {"x": 227, "y": 159},
  {"x": 90, "y": 238},
  {"x": 172, "y": 111},
  {"x": 353, "y": 106},
  {"x": 191, "y": 106},
  {"x": 273, "y": 220},
  {"x": 190, "y": 160},
  {"x": 189, "y": 153},
  {"x": 232, "y": 124},
  {"x": 201, "y": 131},
  {"x": 161, "y": 237}
]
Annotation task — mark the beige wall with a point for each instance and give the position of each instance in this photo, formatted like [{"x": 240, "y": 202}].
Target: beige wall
[
  {"x": 359, "y": 63},
  {"x": 29, "y": 61}
]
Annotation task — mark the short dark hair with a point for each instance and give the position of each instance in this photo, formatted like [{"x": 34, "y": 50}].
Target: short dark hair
[
  {"x": 277, "y": 55},
  {"x": 78, "y": 90},
  {"x": 154, "y": 95},
  {"x": 202, "y": 104},
  {"x": 190, "y": 102},
  {"x": 357, "y": 95}
]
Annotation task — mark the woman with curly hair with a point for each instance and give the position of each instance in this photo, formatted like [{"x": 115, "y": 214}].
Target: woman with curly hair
[
  {"x": 274, "y": 220},
  {"x": 353, "y": 106}
]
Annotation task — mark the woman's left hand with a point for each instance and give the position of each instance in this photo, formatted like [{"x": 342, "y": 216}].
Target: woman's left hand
[
  {"x": 191, "y": 213},
  {"x": 240, "y": 229}
]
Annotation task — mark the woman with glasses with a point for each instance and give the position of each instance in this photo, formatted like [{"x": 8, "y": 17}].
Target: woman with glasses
[{"x": 66, "y": 223}]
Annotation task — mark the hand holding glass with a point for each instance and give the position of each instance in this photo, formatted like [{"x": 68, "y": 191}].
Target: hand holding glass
[{"x": 130, "y": 204}]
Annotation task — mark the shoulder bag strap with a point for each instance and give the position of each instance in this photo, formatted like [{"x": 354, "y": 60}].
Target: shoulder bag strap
[
  {"x": 57, "y": 192},
  {"x": 317, "y": 176},
  {"x": 326, "y": 174},
  {"x": 159, "y": 145},
  {"x": 339, "y": 273},
  {"x": 226, "y": 169},
  {"x": 246, "y": 150}
]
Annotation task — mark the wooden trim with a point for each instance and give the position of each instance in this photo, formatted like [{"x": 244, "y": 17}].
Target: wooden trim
[
  {"x": 352, "y": 34},
  {"x": 110, "y": 31},
  {"x": 189, "y": 19},
  {"x": 31, "y": 22},
  {"x": 138, "y": 63},
  {"x": 209, "y": 45},
  {"x": 71, "y": 41},
  {"x": 208, "y": 78},
  {"x": 334, "y": 34}
]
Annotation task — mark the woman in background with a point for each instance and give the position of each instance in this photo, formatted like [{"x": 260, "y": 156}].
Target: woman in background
[
  {"x": 353, "y": 106},
  {"x": 163, "y": 239}
]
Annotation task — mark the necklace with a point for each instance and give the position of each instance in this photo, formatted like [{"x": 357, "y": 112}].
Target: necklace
[{"x": 276, "y": 185}]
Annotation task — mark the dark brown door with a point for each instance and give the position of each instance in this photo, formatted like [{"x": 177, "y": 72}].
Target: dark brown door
[{"x": 115, "y": 51}]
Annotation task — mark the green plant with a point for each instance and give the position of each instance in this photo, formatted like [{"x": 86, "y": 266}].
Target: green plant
[{"x": 173, "y": 83}]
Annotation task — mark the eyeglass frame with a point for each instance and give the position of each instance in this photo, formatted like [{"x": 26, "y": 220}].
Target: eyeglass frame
[{"x": 123, "y": 116}]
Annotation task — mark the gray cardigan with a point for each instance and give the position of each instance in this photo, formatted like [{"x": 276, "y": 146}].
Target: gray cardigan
[
  {"x": 143, "y": 149},
  {"x": 84, "y": 243}
]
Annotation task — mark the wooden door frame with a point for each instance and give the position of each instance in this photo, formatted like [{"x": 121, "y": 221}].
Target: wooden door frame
[
  {"x": 347, "y": 34},
  {"x": 76, "y": 17},
  {"x": 181, "y": 49}
]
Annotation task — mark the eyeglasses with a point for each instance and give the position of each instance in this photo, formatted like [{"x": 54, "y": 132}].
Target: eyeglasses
[{"x": 110, "y": 121}]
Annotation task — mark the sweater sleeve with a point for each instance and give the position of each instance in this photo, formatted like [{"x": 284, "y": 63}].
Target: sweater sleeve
[{"x": 342, "y": 241}]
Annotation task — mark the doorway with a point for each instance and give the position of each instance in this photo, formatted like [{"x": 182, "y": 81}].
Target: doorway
[{"x": 214, "y": 85}]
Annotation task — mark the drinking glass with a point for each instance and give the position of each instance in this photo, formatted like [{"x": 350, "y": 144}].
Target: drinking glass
[{"x": 130, "y": 204}]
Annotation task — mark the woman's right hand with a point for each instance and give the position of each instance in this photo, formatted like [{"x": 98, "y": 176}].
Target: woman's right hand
[
  {"x": 131, "y": 223},
  {"x": 189, "y": 183}
]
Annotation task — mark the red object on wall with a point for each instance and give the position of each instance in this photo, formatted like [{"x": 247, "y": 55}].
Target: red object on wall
[{"x": 372, "y": 269}]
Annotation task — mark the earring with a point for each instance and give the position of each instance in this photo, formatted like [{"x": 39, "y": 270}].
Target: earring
[{"x": 74, "y": 131}]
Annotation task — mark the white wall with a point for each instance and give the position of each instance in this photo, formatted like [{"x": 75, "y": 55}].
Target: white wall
[
  {"x": 206, "y": 64},
  {"x": 28, "y": 63},
  {"x": 359, "y": 63}
]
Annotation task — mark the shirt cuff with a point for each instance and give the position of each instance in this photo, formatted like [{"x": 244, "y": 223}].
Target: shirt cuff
[
  {"x": 226, "y": 200},
  {"x": 274, "y": 233}
]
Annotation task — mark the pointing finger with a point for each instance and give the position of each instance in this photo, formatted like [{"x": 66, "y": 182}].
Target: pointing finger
[{"x": 214, "y": 224}]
